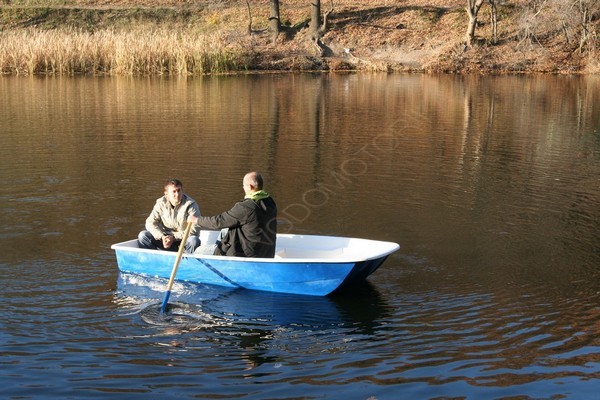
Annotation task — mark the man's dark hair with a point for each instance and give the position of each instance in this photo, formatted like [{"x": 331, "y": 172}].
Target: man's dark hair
[{"x": 173, "y": 181}]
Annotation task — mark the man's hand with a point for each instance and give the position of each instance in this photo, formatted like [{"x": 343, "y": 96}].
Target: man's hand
[
  {"x": 168, "y": 241},
  {"x": 193, "y": 219}
]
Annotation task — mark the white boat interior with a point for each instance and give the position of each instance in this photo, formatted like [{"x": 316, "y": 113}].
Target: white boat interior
[
  {"x": 308, "y": 248},
  {"x": 294, "y": 246}
]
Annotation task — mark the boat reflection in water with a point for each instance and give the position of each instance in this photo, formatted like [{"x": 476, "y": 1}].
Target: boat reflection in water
[{"x": 195, "y": 307}]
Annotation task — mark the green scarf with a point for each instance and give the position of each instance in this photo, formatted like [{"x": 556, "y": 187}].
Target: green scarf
[{"x": 256, "y": 196}]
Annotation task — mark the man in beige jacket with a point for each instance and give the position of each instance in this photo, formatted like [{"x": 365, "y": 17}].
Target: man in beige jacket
[{"x": 167, "y": 222}]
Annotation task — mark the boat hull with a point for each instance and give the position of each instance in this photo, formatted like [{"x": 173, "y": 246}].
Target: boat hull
[{"x": 318, "y": 270}]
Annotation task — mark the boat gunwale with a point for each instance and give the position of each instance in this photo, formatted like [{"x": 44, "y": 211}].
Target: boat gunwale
[{"x": 342, "y": 258}]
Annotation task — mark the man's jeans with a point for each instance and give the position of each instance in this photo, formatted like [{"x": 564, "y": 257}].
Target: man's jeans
[{"x": 147, "y": 241}]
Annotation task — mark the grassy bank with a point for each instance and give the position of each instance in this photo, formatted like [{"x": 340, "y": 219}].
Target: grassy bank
[
  {"x": 156, "y": 51},
  {"x": 180, "y": 37},
  {"x": 114, "y": 39}
]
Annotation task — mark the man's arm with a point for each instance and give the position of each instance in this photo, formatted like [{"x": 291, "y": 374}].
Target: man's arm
[
  {"x": 154, "y": 222},
  {"x": 229, "y": 219}
]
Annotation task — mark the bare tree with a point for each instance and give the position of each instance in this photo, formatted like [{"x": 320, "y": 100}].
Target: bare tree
[
  {"x": 317, "y": 29},
  {"x": 473, "y": 7},
  {"x": 274, "y": 20},
  {"x": 315, "y": 19},
  {"x": 589, "y": 10},
  {"x": 250, "y": 30},
  {"x": 574, "y": 19},
  {"x": 494, "y": 20}
]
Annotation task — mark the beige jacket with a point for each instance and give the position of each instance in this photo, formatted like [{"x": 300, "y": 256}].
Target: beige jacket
[{"x": 166, "y": 219}]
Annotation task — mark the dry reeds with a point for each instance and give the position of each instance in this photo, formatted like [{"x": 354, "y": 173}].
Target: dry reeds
[{"x": 151, "y": 51}]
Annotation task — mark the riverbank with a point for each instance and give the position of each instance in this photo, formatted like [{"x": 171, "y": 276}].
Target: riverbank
[{"x": 170, "y": 37}]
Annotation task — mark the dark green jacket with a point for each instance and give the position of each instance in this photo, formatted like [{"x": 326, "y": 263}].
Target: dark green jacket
[{"x": 252, "y": 228}]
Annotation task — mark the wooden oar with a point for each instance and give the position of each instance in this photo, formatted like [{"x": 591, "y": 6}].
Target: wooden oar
[{"x": 175, "y": 266}]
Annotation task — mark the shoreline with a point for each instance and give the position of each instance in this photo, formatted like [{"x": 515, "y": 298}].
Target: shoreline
[{"x": 187, "y": 39}]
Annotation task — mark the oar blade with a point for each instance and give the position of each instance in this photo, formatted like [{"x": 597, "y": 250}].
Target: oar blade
[{"x": 163, "y": 308}]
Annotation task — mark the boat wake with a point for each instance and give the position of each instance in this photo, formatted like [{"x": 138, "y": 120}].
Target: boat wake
[
  {"x": 142, "y": 296},
  {"x": 177, "y": 314}
]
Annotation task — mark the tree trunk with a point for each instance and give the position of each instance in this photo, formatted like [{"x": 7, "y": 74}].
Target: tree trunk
[
  {"x": 249, "y": 17},
  {"x": 315, "y": 19},
  {"x": 274, "y": 20},
  {"x": 326, "y": 19},
  {"x": 494, "y": 20},
  {"x": 585, "y": 24},
  {"x": 473, "y": 7}
]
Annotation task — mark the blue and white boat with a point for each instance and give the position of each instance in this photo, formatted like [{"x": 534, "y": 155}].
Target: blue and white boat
[{"x": 303, "y": 264}]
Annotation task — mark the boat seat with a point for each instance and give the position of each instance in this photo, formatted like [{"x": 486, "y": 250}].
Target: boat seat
[{"x": 209, "y": 237}]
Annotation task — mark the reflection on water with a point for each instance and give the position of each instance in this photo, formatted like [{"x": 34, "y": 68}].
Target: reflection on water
[
  {"x": 249, "y": 321},
  {"x": 490, "y": 184},
  {"x": 218, "y": 306}
]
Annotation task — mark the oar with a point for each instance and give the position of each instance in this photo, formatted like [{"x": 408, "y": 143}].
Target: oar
[{"x": 175, "y": 266}]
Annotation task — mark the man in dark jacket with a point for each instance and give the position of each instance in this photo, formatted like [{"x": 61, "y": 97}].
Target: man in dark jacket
[{"x": 251, "y": 223}]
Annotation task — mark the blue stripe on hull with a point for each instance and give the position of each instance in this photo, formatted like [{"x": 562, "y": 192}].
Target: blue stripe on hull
[{"x": 317, "y": 279}]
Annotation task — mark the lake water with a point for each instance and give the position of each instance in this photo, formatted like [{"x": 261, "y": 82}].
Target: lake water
[{"x": 491, "y": 185}]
